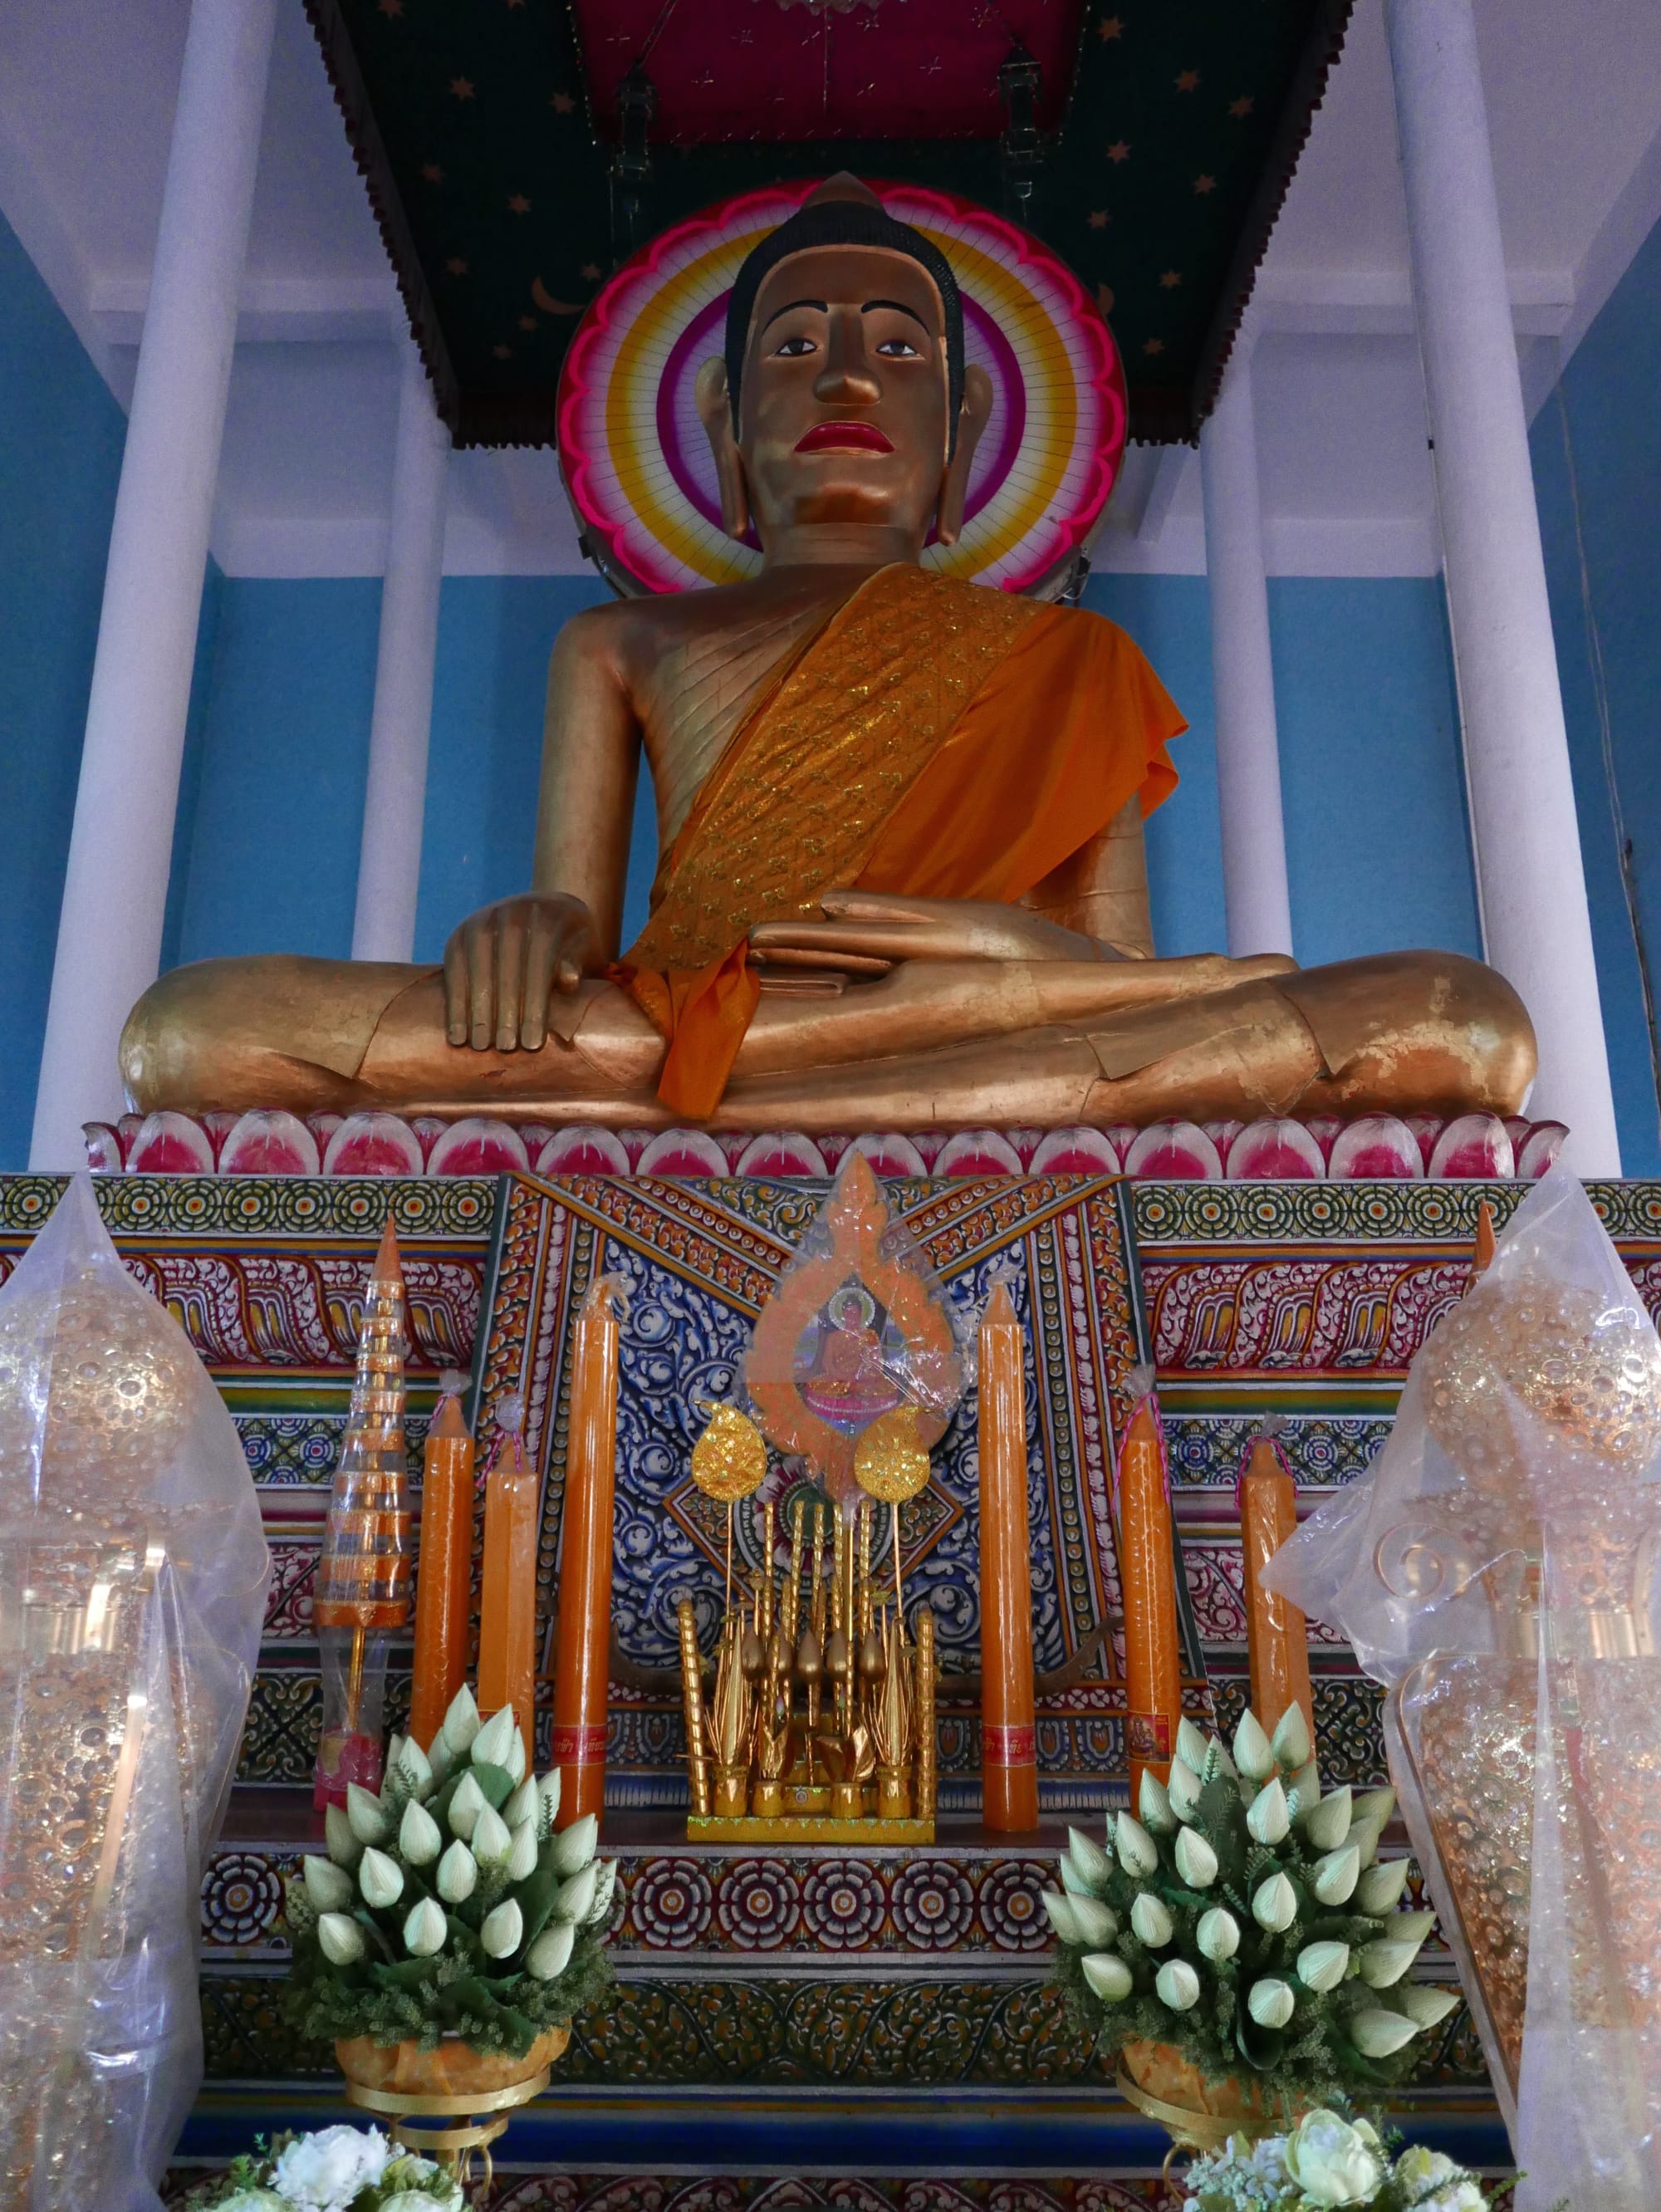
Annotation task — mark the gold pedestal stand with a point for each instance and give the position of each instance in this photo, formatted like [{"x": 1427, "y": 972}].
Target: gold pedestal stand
[
  {"x": 760, "y": 1828},
  {"x": 434, "y": 2090}
]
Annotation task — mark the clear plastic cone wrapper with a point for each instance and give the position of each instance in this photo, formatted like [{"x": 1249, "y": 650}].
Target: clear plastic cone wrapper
[
  {"x": 132, "y": 1591},
  {"x": 1497, "y": 1570}
]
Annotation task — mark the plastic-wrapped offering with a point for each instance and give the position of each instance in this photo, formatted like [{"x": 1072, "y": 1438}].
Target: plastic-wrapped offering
[
  {"x": 1497, "y": 1570},
  {"x": 132, "y": 1592}
]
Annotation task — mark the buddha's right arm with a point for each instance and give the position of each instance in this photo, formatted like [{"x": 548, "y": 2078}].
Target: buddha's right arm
[{"x": 502, "y": 964}]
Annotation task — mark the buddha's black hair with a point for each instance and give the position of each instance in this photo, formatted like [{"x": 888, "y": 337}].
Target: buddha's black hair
[{"x": 844, "y": 222}]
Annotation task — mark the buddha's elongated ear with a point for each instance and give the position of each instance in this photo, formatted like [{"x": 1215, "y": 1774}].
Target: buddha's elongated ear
[
  {"x": 715, "y": 412},
  {"x": 955, "y": 484}
]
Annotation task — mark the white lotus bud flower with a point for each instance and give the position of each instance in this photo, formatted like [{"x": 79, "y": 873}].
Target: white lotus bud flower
[
  {"x": 1376, "y": 2033},
  {"x": 328, "y": 1885},
  {"x": 1139, "y": 1854},
  {"x": 1153, "y": 1924},
  {"x": 1060, "y": 1907},
  {"x": 441, "y": 1760},
  {"x": 1154, "y": 1805},
  {"x": 547, "y": 1789},
  {"x": 1365, "y": 1835},
  {"x": 1182, "y": 1791},
  {"x": 524, "y": 1804},
  {"x": 1254, "y": 1754},
  {"x": 380, "y": 1879},
  {"x": 1383, "y": 1963},
  {"x": 461, "y": 1722},
  {"x": 1327, "y": 1824},
  {"x": 425, "y": 1929},
  {"x": 1267, "y": 1819},
  {"x": 1323, "y": 1966},
  {"x": 1379, "y": 1889},
  {"x": 550, "y": 1954},
  {"x": 415, "y": 1769},
  {"x": 1108, "y": 1976},
  {"x": 516, "y": 1762},
  {"x": 344, "y": 1848},
  {"x": 458, "y": 1875},
  {"x": 1275, "y": 1905},
  {"x": 1219, "y": 1758},
  {"x": 1192, "y": 1746},
  {"x": 371, "y": 1823},
  {"x": 1410, "y": 1927},
  {"x": 491, "y": 1841},
  {"x": 1218, "y": 1933},
  {"x": 1290, "y": 1742},
  {"x": 1098, "y": 1923},
  {"x": 467, "y": 1801},
  {"x": 341, "y": 1939},
  {"x": 1090, "y": 1863},
  {"x": 1425, "y": 2007},
  {"x": 605, "y": 1888},
  {"x": 1178, "y": 1986},
  {"x": 1196, "y": 1862},
  {"x": 1306, "y": 1782},
  {"x": 395, "y": 1744},
  {"x": 522, "y": 1858},
  {"x": 1336, "y": 1875},
  {"x": 574, "y": 1900},
  {"x": 1072, "y": 1881},
  {"x": 1270, "y": 2002},
  {"x": 574, "y": 1847},
  {"x": 419, "y": 1837},
  {"x": 490, "y": 1745},
  {"x": 503, "y": 1929},
  {"x": 1378, "y": 1805}
]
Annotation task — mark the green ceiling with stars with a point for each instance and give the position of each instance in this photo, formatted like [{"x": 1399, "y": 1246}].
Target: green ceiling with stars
[{"x": 488, "y": 133}]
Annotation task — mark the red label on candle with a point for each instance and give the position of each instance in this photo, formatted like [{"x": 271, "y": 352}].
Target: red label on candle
[
  {"x": 1007, "y": 1746},
  {"x": 1148, "y": 1735},
  {"x": 578, "y": 1744}
]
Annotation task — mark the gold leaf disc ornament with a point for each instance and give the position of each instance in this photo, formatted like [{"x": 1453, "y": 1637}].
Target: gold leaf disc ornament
[
  {"x": 730, "y": 1460},
  {"x": 889, "y": 1463}
]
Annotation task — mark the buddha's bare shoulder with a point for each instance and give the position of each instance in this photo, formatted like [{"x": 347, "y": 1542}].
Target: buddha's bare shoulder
[{"x": 631, "y": 638}]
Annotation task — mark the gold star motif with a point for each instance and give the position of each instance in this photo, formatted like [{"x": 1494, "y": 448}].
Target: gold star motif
[
  {"x": 1098, "y": 218},
  {"x": 1203, "y": 184},
  {"x": 502, "y": 352},
  {"x": 1110, "y": 26},
  {"x": 1119, "y": 151},
  {"x": 1240, "y": 108},
  {"x": 433, "y": 173},
  {"x": 591, "y": 271},
  {"x": 562, "y": 103},
  {"x": 527, "y": 322},
  {"x": 518, "y": 204},
  {"x": 1154, "y": 345},
  {"x": 1170, "y": 281},
  {"x": 462, "y": 87},
  {"x": 1189, "y": 81},
  {"x": 456, "y": 267}
]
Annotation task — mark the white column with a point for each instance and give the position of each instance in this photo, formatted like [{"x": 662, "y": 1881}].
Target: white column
[
  {"x": 109, "y": 931},
  {"x": 388, "y": 863},
  {"x": 1242, "y": 670},
  {"x": 1531, "y": 882}
]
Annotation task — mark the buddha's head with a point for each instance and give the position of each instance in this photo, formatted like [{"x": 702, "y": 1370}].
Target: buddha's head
[{"x": 842, "y": 402}]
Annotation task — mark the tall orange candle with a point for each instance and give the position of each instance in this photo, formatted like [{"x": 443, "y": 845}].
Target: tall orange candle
[
  {"x": 444, "y": 1576},
  {"x": 507, "y": 1592},
  {"x": 1278, "y": 1639},
  {"x": 1009, "y": 1760},
  {"x": 1147, "y": 1574},
  {"x": 581, "y": 1675}
]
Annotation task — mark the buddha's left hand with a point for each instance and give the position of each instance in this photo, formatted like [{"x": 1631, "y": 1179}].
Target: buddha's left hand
[{"x": 871, "y": 926}]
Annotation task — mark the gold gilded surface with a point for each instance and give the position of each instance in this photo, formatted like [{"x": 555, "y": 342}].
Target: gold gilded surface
[
  {"x": 890, "y": 1462},
  {"x": 730, "y": 1459},
  {"x": 806, "y": 1828}
]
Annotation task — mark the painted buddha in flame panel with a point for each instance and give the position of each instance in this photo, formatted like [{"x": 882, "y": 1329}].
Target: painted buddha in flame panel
[
  {"x": 843, "y": 1371},
  {"x": 900, "y": 877}
]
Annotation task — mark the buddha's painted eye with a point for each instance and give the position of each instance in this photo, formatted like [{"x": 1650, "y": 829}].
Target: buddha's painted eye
[
  {"x": 900, "y": 349},
  {"x": 794, "y": 348}
]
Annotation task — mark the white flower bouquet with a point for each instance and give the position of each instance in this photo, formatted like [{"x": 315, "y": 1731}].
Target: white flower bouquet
[
  {"x": 336, "y": 2170},
  {"x": 1326, "y": 2162}
]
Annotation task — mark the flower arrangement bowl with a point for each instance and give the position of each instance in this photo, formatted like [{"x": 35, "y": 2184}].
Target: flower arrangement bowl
[
  {"x": 451, "y": 2068},
  {"x": 1198, "y": 2113}
]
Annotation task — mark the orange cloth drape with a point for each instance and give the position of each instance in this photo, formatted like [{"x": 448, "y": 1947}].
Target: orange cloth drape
[{"x": 935, "y": 739}]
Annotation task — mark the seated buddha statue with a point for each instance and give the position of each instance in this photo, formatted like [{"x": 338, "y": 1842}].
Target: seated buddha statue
[{"x": 899, "y": 820}]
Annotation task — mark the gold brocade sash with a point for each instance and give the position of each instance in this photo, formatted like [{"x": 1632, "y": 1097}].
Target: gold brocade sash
[{"x": 798, "y": 798}]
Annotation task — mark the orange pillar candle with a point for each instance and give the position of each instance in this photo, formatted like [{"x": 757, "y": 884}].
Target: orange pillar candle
[
  {"x": 581, "y": 1674},
  {"x": 1147, "y": 1573},
  {"x": 1009, "y": 1760},
  {"x": 1276, "y": 1637},
  {"x": 507, "y": 1591},
  {"x": 444, "y": 1574}
]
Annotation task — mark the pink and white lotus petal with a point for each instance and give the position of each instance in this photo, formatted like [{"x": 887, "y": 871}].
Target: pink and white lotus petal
[
  {"x": 219, "y": 1127},
  {"x": 583, "y": 1149},
  {"x": 781, "y": 1152},
  {"x": 1222, "y": 1135},
  {"x": 977, "y": 1152},
  {"x": 1173, "y": 1152},
  {"x": 1475, "y": 1148},
  {"x": 428, "y": 1129},
  {"x": 1427, "y": 1128},
  {"x": 269, "y": 1143},
  {"x": 1275, "y": 1150},
  {"x": 1540, "y": 1148},
  {"x": 890, "y": 1154},
  {"x": 1076, "y": 1151},
  {"x": 171, "y": 1143},
  {"x": 103, "y": 1142},
  {"x": 478, "y": 1146},
  {"x": 374, "y": 1145},
  {"x": 1380, "y": 1146},
  {"x": 1325, "y": 1129},
  {"x": 127, "y": 1129},
  {"x": 682, "y": 1152},
  {"x": 323, "y": 1126}
]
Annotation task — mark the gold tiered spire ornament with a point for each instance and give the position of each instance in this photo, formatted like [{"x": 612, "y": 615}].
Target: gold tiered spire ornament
[{"x": 362, "y": 1587}]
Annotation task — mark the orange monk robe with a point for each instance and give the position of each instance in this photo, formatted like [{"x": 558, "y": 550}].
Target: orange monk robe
[{"x": 933, "y": 740}]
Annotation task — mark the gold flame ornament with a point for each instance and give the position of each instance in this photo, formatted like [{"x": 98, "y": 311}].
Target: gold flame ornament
[
  {"x": 730, "y": 1460},
  {"x": 891, "y": 1464}
]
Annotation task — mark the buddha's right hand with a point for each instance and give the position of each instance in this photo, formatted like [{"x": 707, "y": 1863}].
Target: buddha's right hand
[{"x": 502, "y": 962}]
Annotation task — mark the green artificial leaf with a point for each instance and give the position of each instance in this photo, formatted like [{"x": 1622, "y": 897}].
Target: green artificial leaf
[{"x": 497, "y": 1784}]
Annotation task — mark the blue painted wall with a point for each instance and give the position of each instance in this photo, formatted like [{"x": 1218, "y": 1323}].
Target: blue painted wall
[{"x": 1596, "y": 446}]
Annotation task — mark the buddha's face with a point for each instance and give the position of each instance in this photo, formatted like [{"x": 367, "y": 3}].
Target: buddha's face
[{"x": 844, "y": 405}]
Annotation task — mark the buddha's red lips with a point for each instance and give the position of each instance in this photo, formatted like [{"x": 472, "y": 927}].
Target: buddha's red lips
[{"x": 855, "y": 437}]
